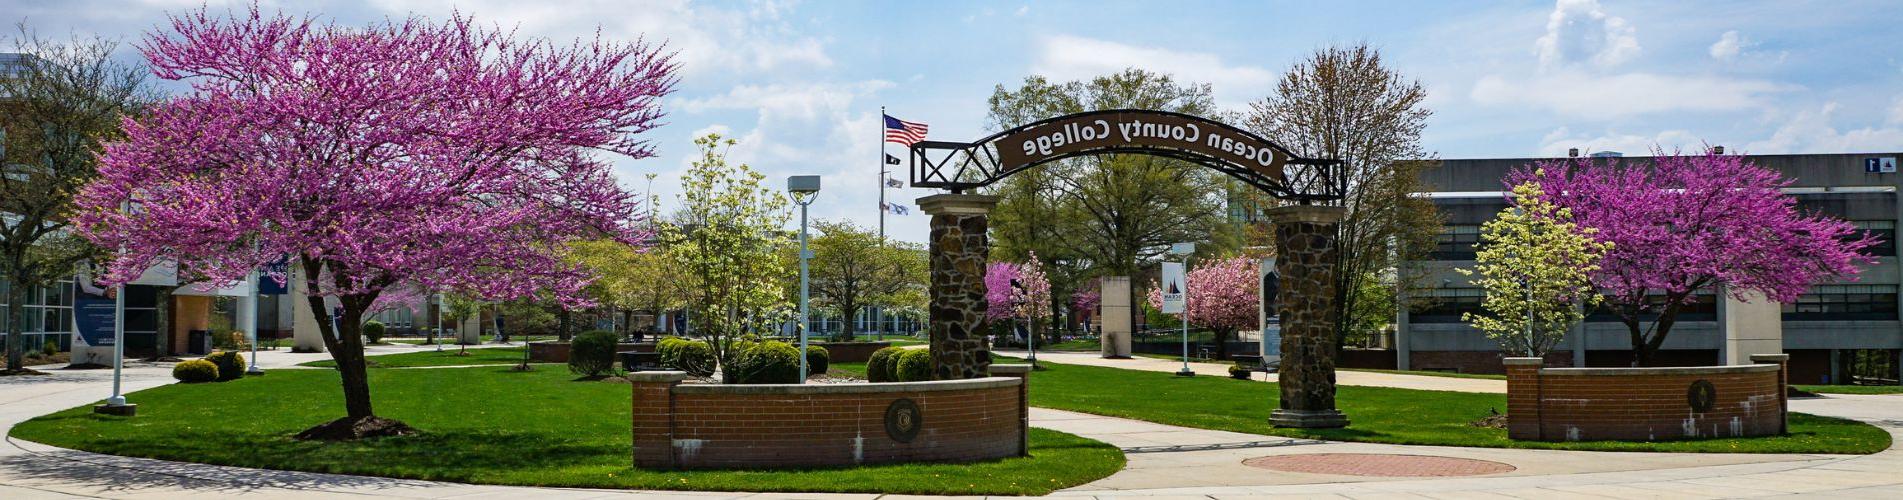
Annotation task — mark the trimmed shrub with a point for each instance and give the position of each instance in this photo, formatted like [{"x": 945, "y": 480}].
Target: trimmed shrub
[
  {"x": 230, "y": 364},
  {"x": 818, "y": 360},
  {"x": 195, "y": 371},
  {"x": 592, "y": 353},
  {"x": 915, "y": 365},
  {"x": 883, "y": 365},
  {"x": 692, "y": 356},
  {"x": 51, "y": 348},
  {"x": 770, "y": 362},
  {"x": 373, "y": 331}
]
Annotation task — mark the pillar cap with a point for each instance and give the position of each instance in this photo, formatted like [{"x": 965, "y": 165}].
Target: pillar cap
[
  {"x": 1523, "y": 361},
  {"x": 666, "y": 376},
  {"x": 1312, "y": 214},
  {"x": 957, "y": 204},
  {"x": 1771, "y": 358}
]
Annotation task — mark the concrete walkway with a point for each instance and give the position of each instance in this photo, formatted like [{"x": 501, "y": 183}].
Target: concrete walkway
[
  {"x": 1164, "y": 461},
  {"x": 1343, "y": 377}
]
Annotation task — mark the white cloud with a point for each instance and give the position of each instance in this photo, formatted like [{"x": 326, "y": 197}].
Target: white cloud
[
  {"x": 1559, "y": 140},
  {"x": 1065, "y": 57},
  {"x": 1607, "y": 96},
  {"x": 1812, "y": 132},
  {"x": 1896, "y": 110},
  {"x": 1728, "y": 46},
  {"x": 1579, "y": 31},
  {"x": 786, "y": 101}
]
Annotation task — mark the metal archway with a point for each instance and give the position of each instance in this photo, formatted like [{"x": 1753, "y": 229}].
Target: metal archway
[{"x": 959, "y": 166}]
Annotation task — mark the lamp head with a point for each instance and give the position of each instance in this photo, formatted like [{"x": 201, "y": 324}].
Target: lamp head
[{"x": 802, "y": 184}]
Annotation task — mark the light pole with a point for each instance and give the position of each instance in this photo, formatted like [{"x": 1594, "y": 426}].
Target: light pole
[
  {"x": 1030, "y": 337},
  {"x": 257, "y": 279},
  {"x": 1184, "y": 249},
  {"x": 804, "y": 188}
]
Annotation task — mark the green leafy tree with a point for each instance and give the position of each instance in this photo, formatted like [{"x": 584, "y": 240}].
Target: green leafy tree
[
  {"x": 852, "y": 269},
  {"x": 1112, "y": 214},
  {"x": 58, "y": 105},
  {"x": 727, "y": 237},
  {"x": 631, "y": 279},
  {"x": 1536, "y": 266}
]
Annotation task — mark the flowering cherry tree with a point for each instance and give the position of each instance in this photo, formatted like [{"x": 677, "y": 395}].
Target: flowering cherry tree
[
  {"x": 441, "y": 155},
  {"x": 1681, "y": 224},
  {"x": 1019, "y": 291},
  {"x": 999, "y": 296},
  {"x": 1222, "y": 296}
]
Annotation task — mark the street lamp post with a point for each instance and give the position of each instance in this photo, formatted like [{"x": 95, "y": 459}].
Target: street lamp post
[
  {"x": 804, "y": 188},
  {"x": 1184, "y": 249},
  {"x": 257, "y": 279}
]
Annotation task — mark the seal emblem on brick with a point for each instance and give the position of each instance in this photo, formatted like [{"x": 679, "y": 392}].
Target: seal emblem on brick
[
  {"x": 902, "y": 419},
  {"x": 1369, "y": 464},
  {"x": 1702, "y": 396}
]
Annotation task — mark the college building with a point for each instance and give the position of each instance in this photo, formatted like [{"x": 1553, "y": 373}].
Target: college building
[{"x": 1835, "y": 332}]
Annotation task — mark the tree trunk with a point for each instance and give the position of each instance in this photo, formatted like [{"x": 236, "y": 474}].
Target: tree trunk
[
  {"x": 849, "y": 312},
  {"x": 345, "y": 343},
  {"x": 563, "y": 328},
  {"x": 1222, "y": 342},
  {"x": 16, "y": 326},
  {"x": 162, "y": 338},
  {"x": 1644, "y": 350}
]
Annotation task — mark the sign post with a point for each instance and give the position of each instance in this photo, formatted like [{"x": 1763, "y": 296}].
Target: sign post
[{"x": 1176, "y": 295}]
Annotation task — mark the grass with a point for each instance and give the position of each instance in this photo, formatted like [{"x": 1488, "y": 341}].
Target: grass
[
  {"x": 491, "y": 425},
  {"x": 448, "y": 357},
  {"x": 1073, "y": 345},
  {"x": 1851, "y": 389},
  {"x": 1426, "y": 373},
  {"x": 1382, "y": 415}
]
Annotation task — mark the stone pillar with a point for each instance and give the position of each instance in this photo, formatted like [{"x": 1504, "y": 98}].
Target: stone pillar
[
  {"x": 1305, "y": 238},
  {"x": 1523, "y": 398},
  {"x": 1783, "y": 362},
  {"x": 1023, "y": 374},
  {"x": 959, "y": 252},
  {"x": 305, "y": 336},
  {"x": 1114, "y": 312},
  {"x": 1751, "y": 326},
  {"x": 653, "y": 417}
]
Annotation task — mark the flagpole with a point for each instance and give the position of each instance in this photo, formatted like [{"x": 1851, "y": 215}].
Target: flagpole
[{"x": 882, "y": 173}]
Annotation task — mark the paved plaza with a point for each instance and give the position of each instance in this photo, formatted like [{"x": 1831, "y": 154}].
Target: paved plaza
[{"x": 1164, "y": 461}]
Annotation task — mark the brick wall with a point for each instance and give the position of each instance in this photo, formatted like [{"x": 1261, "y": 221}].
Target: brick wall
[
  {"x": 1648, "y": 404},
  {"x": 850, "y": 352},
  {"x": 696, "y": 426},
  {"x": 557, "y": 352}
]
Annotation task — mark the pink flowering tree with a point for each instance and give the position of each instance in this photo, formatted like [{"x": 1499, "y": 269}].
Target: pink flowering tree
[
  {"x": 1681, "y": 224},
  {"x": 1086, "y": 299},
  {"x": 999, "y": 297},
  {"x": 1222, "y": 297},
  {"x": 440, "y": 155},
  {"x": 1018, "y": 291}
]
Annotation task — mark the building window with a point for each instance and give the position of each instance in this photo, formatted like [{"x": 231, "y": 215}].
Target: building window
[
  {"x": 1445, "y": 305},
  {"x": 49, "y": 315},
  {"x": 1885, "y": 233},
  {"x": 1703, "y": 307},
  {"x": 1456, "y": 242},
  {"x": 1844, "y": 303}
]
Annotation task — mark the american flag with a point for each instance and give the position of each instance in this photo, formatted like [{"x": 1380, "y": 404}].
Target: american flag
[{"x": 903, "y": 132}]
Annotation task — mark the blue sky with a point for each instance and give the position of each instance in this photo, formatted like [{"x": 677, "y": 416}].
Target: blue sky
[{"x": 800, "y": 84}]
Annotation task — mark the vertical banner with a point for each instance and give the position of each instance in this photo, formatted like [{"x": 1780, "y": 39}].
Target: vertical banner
[
  {"x": 94, "y": 314},
  {"x": 1271, "y": 314},
  {"x": 1173, "y": 287},
  {"x": 269, "y": 274}
]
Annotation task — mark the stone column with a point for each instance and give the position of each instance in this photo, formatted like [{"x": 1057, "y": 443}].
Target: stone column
[
  {"x": 1113, "y": 310},
  {"x": 959, "y": 252},
  {"x": 1305, "y": 240}
]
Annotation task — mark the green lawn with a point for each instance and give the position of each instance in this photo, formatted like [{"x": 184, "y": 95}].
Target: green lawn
[
  {"x": 492, "y": 425},
  {"x": 1425, "y": 373},
  {"x": 1851, "y": 389},
  {"x": 1381, "y": 415},
  {"x": 1073, "y": 345},
  {"x": 430, "y": 357}
]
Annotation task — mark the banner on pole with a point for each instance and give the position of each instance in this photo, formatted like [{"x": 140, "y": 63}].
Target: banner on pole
[
  {"x": 1173, "y": 287},
  {"x": 94, "y": 313}
]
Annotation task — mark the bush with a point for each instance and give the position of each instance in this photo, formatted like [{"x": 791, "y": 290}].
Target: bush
[
  {"x": 915, "y": 365},
  {"x": 195, "y": 371},
  {"x": 817, "y": 360},
  {"x": 692, "y": 356},
  {"x": 230, "y": 364},
  {"x": 51, "y": 348},
  {"x": 592, "y": 353},
  {"x": 770, "y": 362},
  {"x": 883, "y": 365},
  {"x": 373, "y": 331}
]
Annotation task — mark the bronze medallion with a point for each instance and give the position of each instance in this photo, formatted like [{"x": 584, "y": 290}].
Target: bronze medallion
[
  {"x": 1702, "y": 396},
  {"x": 902, "y": 420}
]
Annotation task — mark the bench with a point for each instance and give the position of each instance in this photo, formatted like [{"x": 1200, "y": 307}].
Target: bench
[
  {"x": 641, "y": 361},
  {"x": 1254, "y": 363}
]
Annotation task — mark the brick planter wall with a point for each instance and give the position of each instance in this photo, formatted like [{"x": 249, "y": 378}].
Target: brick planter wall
[
  {"x": 1646, "y": 404},
  {"x": 557, "y": 352},
  {"x": 709, "y": 426}
]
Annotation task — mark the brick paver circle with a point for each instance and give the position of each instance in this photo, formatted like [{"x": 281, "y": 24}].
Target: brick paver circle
[{"x": 1369, "y": 464}]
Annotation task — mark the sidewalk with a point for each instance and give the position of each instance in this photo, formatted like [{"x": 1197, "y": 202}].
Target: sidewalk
[{"x": 1342, "y": 377}]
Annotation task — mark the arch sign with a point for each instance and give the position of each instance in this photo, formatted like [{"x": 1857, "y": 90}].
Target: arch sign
[{"x": 1231, "y": 150}]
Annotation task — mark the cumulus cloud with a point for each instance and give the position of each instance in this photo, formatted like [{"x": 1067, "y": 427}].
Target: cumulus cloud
[
  {"x": 1065, "y": 57},
  {"x": 1728, "y": 46},
  {"x": 1607, "y": 96},
  {"x": 1812, "y": 131},
  {"x": 1561, "y": 139},
  {"x": 1579, "y": 31},
  {"x": 779, "y": 101}
]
